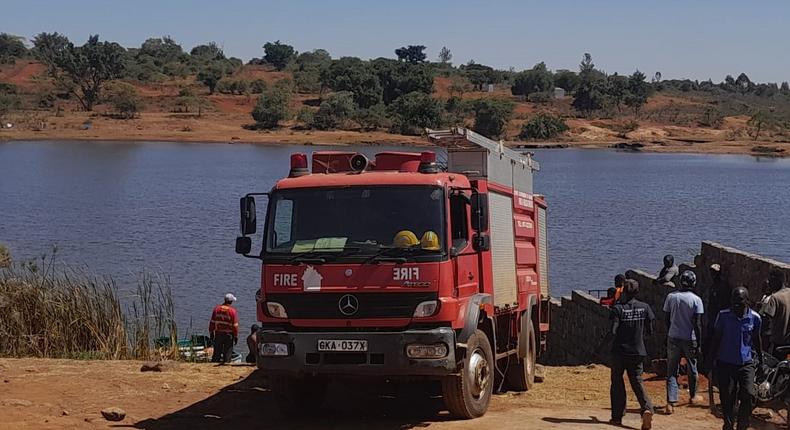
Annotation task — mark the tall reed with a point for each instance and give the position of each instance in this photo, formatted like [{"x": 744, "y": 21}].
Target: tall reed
[{"x": 53, "y": 310}]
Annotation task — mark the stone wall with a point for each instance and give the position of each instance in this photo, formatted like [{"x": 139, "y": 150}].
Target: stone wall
[{"x": 580, "y": 326}]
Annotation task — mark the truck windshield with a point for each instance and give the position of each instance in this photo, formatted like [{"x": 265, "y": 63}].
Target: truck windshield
[{"x": 356, "y": 221}]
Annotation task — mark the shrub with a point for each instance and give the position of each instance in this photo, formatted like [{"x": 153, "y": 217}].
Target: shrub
[
  {"x": 541, "y": 97},
  {"x": 373, "y": 118},
  {"x": 334, "y": 111},
  {"x": 304, "y": 118},
  {"x": 543, "y": 126},
  {"x": 123, "y": 98},
  {"x": 491, "y": 116},
  {"x": 258, "y": 86},
  {"x": 415, "y": 111},
  {"x": 271, "y": 108}
]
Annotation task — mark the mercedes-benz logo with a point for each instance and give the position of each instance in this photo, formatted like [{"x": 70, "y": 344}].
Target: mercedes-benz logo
[{"x": 348, "y": 305}]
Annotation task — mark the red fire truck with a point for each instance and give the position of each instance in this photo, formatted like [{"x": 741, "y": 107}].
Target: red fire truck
[{"x": 403, "y": 267}]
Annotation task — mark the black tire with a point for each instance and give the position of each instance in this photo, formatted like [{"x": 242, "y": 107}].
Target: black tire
[
  {"x": 468, "y": 394},
  {"x": 521, "y": 371},
  {"x": 292, "y": 394}
]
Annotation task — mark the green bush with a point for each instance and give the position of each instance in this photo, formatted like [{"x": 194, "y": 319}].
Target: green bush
[
  {"x": 373, "y": 118},
  {"x": 334, "y": 111},
  {"x": 543, "y": 126},
  {"x": 123, "y": 98},
  {"x": 258, "y": 86},
  {"x": 415, "y": 111},
  {"x": 542, "y": 97},
  {"x": 272, "y": 107},
  {"x": 491, "y": 116},
  {"x": 304, "y": 118}
]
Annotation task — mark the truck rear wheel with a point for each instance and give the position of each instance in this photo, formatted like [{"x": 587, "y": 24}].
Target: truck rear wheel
[
  {"x": 292, "y": 394},
  {"x": 521, "y": 374},
  {"x": 468, "y": 394}
]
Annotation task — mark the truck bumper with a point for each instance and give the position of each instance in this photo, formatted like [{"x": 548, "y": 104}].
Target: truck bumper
[{"x": 386, "y": 354}]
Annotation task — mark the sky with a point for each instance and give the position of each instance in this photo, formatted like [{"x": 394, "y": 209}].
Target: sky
[{"x": 696, "y": 39}]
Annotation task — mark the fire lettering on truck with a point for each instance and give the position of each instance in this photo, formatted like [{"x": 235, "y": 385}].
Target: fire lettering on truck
[
  {"x": 405, "y": 273},
  {"x": 285, "y": 279}
]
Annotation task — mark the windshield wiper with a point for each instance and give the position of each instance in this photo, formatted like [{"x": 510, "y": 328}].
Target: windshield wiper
[
  {"x": 382, "y": 255},
  {"x": 319, "y": 256}
]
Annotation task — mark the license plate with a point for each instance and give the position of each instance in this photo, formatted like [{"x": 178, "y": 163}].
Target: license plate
[{"x": 335, "y": 345}]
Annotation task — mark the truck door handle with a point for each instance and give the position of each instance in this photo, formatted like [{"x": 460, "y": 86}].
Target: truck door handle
[{"x": 470, "y": 276}]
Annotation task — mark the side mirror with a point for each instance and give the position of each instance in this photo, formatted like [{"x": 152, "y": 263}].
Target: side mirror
[
  {"x": 243, "y": 245},
  {"x": 481, "y": 242},
  {"x": 479, "y": 204},
  {"x": 247, "y": 212}
]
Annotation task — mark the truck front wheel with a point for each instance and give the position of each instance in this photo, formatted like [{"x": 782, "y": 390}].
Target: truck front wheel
[
  {"x": 292, "y": 393},
  {"x": 468, "y": 394},
  {"x": 521, "y": 374}
]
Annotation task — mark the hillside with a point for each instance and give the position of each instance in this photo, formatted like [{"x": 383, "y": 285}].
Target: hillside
[{"x": 670, "y": 121}]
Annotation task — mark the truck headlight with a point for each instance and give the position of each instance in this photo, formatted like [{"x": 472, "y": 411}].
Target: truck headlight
[
  {"x": 274, "y": 349},
  {"x": 276, "y": 310},
  {"x": 419, "y": 350},
  {"x": 426, "y": 309}
]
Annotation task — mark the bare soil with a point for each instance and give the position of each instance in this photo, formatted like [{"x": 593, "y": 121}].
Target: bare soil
[{"x": 68, "y": 394}]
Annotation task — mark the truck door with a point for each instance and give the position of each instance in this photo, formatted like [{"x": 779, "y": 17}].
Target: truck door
[{"x": 465, "y": 261}]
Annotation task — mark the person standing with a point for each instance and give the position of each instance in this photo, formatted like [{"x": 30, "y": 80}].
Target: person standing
[
  {"x": 619, "y": 286},
  {"x": 631, "y": 319},
  {"x": 252, "y": 344},
  {"x": 684, "y": 327},
  {"x": 776, "y": 312},
  {"x": 224, "y": 330},
  {"x": 736, "y": 340}
]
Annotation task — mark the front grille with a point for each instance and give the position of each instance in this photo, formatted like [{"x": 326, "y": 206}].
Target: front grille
[{"x": 370, "y": 305}]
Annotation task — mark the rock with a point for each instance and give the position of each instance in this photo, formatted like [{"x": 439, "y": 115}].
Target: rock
[
  {"x": 158, "y": 366},
  {"x": 591, "y": 366},
  {"x": 165, "y": 386},
  {"x": 540, "y": 373},
  {"x": 113, "y": 414},
  {"x": 6, "y": 381},
  {"x": 64, "y": 413}
]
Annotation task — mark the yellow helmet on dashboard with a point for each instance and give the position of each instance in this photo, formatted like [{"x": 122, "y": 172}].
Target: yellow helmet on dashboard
[
  {"x": 430, "y": 241},
  {"x": 405, "y": 239}
]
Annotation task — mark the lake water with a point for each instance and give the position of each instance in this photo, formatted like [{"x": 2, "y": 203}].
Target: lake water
[{"x": 121, "y": 208}]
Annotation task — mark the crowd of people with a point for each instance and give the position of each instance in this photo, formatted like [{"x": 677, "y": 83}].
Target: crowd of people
[{"x": 725, "y": 336}]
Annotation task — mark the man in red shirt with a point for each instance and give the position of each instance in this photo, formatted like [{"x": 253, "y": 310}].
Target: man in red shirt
[{"x": 224, "y": 330}]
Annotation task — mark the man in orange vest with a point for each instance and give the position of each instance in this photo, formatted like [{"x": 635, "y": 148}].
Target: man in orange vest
[{"x": 224, "y": 330}]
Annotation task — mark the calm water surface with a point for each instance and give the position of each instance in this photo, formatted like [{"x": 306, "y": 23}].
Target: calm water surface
[{"x": 121, "y": 208}]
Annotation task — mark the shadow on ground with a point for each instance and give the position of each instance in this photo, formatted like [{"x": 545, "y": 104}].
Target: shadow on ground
[{"x": 250, "y": 404}]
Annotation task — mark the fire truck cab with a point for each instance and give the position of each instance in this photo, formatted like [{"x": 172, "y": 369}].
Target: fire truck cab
[{"x": 402, "y": 267}]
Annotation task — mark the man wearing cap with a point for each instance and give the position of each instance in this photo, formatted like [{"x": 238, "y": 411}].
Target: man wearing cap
[{"x": 224, "y": 330}]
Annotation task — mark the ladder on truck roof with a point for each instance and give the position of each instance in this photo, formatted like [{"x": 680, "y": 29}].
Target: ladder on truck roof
[{"x": 463, "y": 138}]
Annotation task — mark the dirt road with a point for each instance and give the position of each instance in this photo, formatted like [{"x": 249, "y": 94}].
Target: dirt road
[{"x": 63, "y": 394}]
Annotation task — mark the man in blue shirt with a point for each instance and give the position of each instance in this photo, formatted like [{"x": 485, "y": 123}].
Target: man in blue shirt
[
  {"x": 684, "y": 325},
  {"x": 736, "y": 335}
]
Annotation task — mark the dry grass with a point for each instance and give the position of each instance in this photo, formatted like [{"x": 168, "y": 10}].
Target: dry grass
[{"x": 55, "y": 311}]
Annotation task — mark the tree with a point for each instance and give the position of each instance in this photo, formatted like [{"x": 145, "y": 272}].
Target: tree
[
  {"x": 415, "y": 111},
  {"x": 616, "y": 90},
  {"x": 48, "y": 46},
  {"x": 278, "y": 54},
  {"x": 210, "y": 76},
  {"x": 399, "y": 78},
  {"x": 411, "y": 53},
  {"x": 592, "y": 93},
  {"x": 445, "y": 56},
  {"x": 479, "y": 74},
  {"x": 272, "y": 107},
  {"x": 536, "y": 80},
  {"x": 123, "y": 98},
  {"x": 207, "y": 53},
  {"x": 11, "y": 48},
  {"x": 187, "y": 100},
  {"x": 334, "y": 111},
  {"x": 458, "y": 86},
  {"x": 638, "y": 91},
  {"x": 761, "y": 121},
  {"x": 543, "y": 126},
  {"x": 85, "y": 68},
  {"x": 163, "y": 50},
  {"x": 373, "y": 118},
  {"x": 566, "y": 80},
  {"x": 491, "y": 116},
  {"x": 8, "y": 102},
  {"x": 785, "y": 88},
  {"x": 352, "y": 74}
]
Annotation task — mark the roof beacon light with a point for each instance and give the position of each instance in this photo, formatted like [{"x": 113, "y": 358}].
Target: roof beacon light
[
  {"x": 298, "y": 165},
  {"x": 428, "y": 162}
]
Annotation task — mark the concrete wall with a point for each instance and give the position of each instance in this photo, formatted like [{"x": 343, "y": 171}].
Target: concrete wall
[{"x": 580, "y": 326}]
